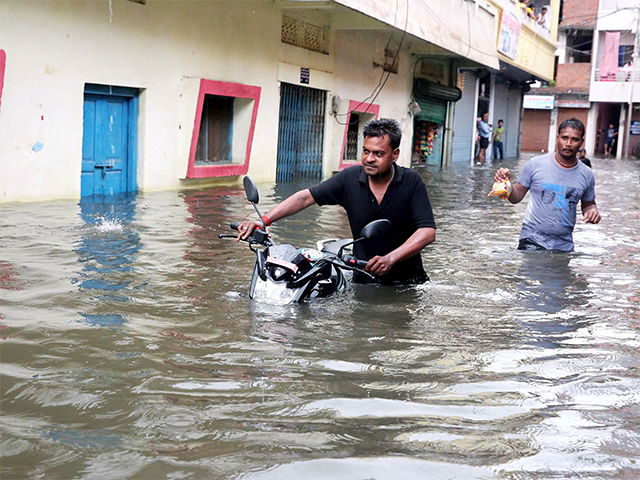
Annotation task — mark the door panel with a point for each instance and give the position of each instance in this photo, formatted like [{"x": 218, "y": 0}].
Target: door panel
[
  {"x": 300, "y": 133},
  {"x": 105, "y": 145}
]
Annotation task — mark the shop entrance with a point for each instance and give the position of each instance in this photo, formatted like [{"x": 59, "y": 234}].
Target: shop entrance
[
  {"x": 427, "y": 143},
  {"x": 428, "y": 126}
]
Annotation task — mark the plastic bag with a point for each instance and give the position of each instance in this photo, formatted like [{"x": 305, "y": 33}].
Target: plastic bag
[{"x": 501, "y": 189}]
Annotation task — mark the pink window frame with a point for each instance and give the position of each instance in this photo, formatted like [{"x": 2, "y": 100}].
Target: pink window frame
[
  {"x": 227, "y": 89},
  {"x": 357, "y": 107},
  {"x": 3, "y": 63}
]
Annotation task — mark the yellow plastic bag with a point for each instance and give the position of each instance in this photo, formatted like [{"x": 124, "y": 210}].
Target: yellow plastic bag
[{"x": 501, "y": 189}]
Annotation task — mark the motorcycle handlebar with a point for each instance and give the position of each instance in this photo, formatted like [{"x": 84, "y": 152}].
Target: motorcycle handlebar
[
  {"x": 354, "y": 262},
  {"x": 258, "y": 236}
]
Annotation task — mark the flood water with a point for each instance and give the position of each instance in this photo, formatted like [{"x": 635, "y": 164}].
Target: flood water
[{"x": 130, "y": 350}]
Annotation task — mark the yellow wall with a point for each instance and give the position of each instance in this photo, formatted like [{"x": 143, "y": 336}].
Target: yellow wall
[{"x": 534, "y": 54}]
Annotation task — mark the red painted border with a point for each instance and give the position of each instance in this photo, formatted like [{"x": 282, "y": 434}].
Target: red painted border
[
  {"x": 3, "y": 63},
  {"x": 227, "y": 89},
  {"x": 360, "y": 108}
]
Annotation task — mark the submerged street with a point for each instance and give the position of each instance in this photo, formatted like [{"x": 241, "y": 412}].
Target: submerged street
[{"x": 130, "y": 349}]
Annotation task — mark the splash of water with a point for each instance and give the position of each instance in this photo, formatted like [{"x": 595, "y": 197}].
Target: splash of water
[{"x": 108, "y": 225}]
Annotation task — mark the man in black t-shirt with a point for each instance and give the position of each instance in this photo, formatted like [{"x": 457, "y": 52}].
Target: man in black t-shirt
[
  {"x": 582, "y": 156},
  {"x": 377, "y": 189}
]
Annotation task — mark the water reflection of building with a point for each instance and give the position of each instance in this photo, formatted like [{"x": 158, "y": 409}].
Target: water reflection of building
[
  {"x": 211, "y": 211},
  {"x": 107, "y": 250}
]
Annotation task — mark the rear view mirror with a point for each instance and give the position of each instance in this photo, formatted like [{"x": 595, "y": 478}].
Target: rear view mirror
[
  {"x": 376, "y": 228},
  {"x": 250, "y": 190}
]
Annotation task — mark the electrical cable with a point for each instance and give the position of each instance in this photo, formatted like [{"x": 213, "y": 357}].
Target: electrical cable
[{"x": 381, "y": 83}]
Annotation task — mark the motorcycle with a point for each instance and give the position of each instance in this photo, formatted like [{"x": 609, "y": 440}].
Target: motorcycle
[{"x": 286, "y": 274}]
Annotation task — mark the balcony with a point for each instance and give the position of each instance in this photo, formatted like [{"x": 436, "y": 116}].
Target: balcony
[
  {"x": 622, "y": 75},
  {"x": 615, "y": 87},
  {"x": 614, "y": 77}
]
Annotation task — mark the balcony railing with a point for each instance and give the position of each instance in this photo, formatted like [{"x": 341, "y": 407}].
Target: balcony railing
[{"x": 621, "y": 75}]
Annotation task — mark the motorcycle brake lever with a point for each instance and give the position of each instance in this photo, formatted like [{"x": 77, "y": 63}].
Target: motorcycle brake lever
[{"x": 342, "y": 264}]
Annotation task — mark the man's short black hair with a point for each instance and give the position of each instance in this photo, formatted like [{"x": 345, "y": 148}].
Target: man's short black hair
[
  {"x": 572, "y": 123},
  {"x": 382, "y": 127}
]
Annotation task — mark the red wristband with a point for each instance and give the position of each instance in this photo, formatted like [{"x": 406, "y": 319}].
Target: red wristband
[{"x": 266, "y": 220}]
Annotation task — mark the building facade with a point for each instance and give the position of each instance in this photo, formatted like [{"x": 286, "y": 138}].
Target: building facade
[
  {"x": 98, "y": 98},
  {"x": 595, "y": 80},
  {"x": 615, "y": 76},
  {"x": 567, "y": 96},
  {"x": 525, "y": 44}
]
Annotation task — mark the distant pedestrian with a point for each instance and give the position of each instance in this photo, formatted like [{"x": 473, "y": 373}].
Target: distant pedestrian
[
  {"x": 612, "y": 133},
  {"x": 484, "y": 131},
  {"x": 582, "y": 156},
  {"x": 497, "y": 140}
]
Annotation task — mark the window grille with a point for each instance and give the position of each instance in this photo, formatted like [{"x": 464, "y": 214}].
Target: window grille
[{"x": 303, "y": 34}]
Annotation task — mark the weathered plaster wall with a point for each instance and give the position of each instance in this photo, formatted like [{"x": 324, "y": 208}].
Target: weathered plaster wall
[{"x": 53, "y": 48}]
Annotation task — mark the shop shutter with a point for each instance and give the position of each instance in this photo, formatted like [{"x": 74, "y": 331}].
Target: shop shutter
[
  {"x": 431, "y": 109},
  {"x": 464, "y": 122}
]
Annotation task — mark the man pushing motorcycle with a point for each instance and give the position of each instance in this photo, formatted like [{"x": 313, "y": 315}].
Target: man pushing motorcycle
[{"x": 376, "y": 189}]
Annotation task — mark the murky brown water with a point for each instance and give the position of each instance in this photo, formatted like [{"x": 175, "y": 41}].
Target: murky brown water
[{"x": 129, "y": 348}]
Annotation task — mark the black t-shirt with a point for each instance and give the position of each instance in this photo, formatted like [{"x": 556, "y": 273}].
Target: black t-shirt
[{"x": 405, "y": 204}]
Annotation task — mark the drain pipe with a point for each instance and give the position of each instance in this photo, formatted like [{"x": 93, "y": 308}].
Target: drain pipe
[{"x": 627, "y": 133}]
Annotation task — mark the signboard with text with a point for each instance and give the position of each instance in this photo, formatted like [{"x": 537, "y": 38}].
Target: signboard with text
[
  {"x": 538, "y": 102},
  {"x": 509, "y": 34}
]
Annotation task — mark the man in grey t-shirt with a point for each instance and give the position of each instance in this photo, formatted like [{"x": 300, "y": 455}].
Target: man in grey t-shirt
[{"x": 557, "y": 182}]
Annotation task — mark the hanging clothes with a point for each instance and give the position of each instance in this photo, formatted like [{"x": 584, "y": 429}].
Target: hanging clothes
[{"x": 609, "y": 64}]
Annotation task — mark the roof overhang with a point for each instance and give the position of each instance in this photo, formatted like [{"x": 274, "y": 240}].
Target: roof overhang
[{"x": 433, "y": 28}]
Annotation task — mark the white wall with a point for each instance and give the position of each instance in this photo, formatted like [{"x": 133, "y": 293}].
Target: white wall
[
  {"x": 53, "y": 48},
  {"x": 164, "y": 48},
  {"x": 355, "y": 54},
  {"x": 467, "y": 28}
]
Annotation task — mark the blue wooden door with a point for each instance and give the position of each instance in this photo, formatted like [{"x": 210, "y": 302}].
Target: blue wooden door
[{"x": 106, "y": 145}]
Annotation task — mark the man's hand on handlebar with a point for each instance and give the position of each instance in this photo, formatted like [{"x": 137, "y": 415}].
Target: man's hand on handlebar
[
  {"x": 246, "y": 228},
  {"x": 380, "y": 265}
]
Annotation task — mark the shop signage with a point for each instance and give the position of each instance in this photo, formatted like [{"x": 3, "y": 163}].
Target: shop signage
[
  {"x": 572, "y": 104},
  {"x": 509, "y": 34},
  {"x": 538, "y": 102},
  {"x": 304, "y": 76},
  {"x": 635, "y": 128}
]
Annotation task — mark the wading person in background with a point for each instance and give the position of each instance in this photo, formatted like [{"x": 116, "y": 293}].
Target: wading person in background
[
  {"x": 484, "y": 130},
  {"x": 377, "y": 189},
  {"x": 557, "y": 182},
  {"x": 582, "y": 156}
]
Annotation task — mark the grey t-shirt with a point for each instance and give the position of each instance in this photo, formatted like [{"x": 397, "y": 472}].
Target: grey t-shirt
[{"x": 554, "y": 196}]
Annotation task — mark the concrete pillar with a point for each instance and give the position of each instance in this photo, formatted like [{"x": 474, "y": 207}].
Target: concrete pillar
[
  {"x": 553, "y": 128},
  {"x": 621, "y": 128},
  {"x": 475, "y": 126},
  {"x": 447, "y": 139},
  {"x": 492, "y": 99},
  {"x": 592, "y": 129}
]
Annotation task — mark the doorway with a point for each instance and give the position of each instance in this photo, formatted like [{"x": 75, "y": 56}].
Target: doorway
[
  {"x": 300, "y": 133},
  {"x": 109, "y": 140}
]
